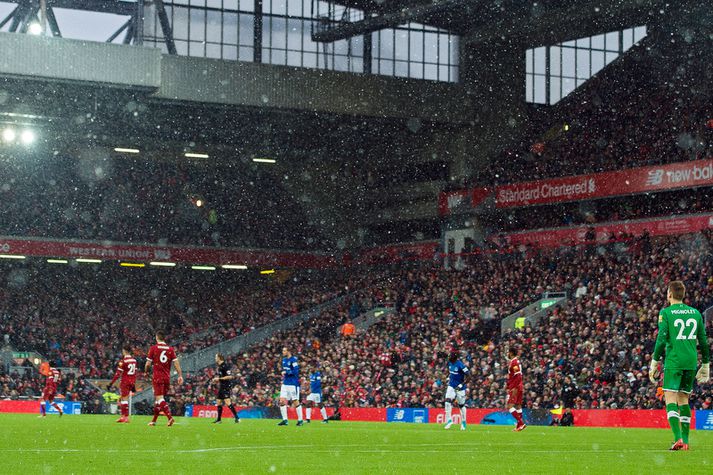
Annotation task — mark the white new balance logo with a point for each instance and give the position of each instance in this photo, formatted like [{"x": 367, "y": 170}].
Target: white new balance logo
[
  {"x": 454, "y": 200},
  {"x": 399, "y": 414},
  {"x": 655, "y": 177}
]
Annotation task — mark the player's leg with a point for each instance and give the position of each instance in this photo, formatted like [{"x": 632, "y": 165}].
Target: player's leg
[
  {"x": 460, "y": 400},
  {"x": 671, "y": 386},
  {"x": 43, "y": 411},
  {"x": 50, "y": 398},
  {"x": 298, "y": 407},
  {"x": 684, "y": 409},
  {"x": 284, "y": 394},
  {"x": 450, "y": 396},
  {"x": 323, "y": 411},
  {"x": 219, "y": 410},
  {"x": 231, "y": 406}
]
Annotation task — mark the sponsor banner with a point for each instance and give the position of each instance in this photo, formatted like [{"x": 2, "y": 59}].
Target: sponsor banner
[
  {"x": 364, "y": 414},
  {"x": 33, "y": 407},
  {"x": 147, "y": 253},
  {"x": 462, "y": 201},
  {"x": 68, "y": 407},
  {"x": 253, "y": 412},
  {"x": 638, "y": 418},
  {"x": 704, "y": 420},
  {"x": 20, "y": 407},
  {"x": 473, "y": 416},
  {"x": 605, "y": 232},
  {"x": 397, "y": 414},
  {"x": 600, "y": 185}
]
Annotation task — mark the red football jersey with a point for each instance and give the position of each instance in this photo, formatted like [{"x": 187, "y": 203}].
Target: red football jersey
[
  {"x": 128, "y": 369},
  {"x": 514, "y": 373},
  {"x": 161, "y": 356},
  {"x": 52, "y": 379}
]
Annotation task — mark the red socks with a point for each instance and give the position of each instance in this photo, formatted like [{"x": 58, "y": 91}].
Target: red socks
[{"x": 163, "y": 406}]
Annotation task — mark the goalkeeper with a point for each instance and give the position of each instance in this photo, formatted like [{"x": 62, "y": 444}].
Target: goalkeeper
[{"x": 681, "y": 329}]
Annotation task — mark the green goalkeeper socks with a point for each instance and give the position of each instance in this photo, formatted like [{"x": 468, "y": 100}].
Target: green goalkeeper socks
[
  {"x": 674, "y": 420},
  {"x": 685, "y": 421}
]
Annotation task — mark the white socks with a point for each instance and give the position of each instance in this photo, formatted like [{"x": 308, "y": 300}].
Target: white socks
[
  {"x": 449, "y": 410},
  {"x": 323, "y": 411},
  {"x": 462, "y": 414},
  {"x": 283, "y": 411},
  {"x": 309, "y": 413},
  {"x": 299, "y": 412}
]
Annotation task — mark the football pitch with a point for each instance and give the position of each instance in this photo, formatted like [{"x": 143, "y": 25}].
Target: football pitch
[{"x": 95, "y": 444}]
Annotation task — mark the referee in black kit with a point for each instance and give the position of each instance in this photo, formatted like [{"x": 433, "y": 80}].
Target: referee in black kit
[{"x": 224, "y": 379}]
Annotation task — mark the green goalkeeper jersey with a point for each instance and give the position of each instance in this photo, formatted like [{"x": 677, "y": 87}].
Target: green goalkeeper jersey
[{"x": 681, "y": 330}]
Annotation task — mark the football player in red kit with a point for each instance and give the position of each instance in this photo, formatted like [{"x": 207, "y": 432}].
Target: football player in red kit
[
  {"x": 515, "y": 389},
  {"x": 161, "y": 356},
  {"x": 127, "y": 370},
  {"x": 50, "y": 392}
]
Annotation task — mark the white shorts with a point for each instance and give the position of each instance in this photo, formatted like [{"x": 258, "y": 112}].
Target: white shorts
[
  {"x": 291, "y": 393},
  {"x": 459, "y": 396},
  {"x": 315, "y": 398}
]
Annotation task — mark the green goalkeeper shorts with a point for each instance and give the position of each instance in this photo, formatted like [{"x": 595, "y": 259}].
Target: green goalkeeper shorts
[{"x": 680, "y": 380}]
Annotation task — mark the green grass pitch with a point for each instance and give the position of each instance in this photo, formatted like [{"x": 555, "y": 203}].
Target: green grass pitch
[{"x": 95, "y": 444}]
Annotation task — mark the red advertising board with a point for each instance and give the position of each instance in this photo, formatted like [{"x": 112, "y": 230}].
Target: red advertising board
[
  {"x": 20, "y": 407},
  {"x": 420, "y": 251},
  {"x": 600, "y": 185},
  {"x": 146, "y": 253},
  {"x": 578, "y": 234}
]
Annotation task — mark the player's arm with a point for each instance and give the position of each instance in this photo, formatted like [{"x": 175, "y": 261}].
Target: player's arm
[
  {"x": 661, "y": 339},
  {"x": 119, "y": 371},
  {"x": 466, "y": 375},
  {"x": 704, "y": 372},
  {"x": 177, "y": 365}
]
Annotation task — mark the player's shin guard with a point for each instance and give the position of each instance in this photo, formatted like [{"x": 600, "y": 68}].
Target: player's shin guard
[
  {"x": 219, "y": 409},
  {"x": 283, "y": 412},
  {"x": 517, "y": 415},
  {"x": 156, "y": 412},
  {"x": 166, "y": 410},
  {"x": 299, "y": 412},
  {"x": 323, "y": 411},
  {"x": 124, "y": 406},
  {"x": 674, "y": 420},
  {"x": 449, "y": 410},
  {"x": 463, "y": 414},
  {"x": 309, "y": 413},
  {"x": 685, "y": 413}
]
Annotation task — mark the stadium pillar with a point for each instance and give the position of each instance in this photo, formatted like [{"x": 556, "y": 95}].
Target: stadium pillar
[{"x": 493, "y": 75}]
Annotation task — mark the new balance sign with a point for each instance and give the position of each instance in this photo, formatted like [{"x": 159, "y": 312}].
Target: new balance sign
[
  {"x": 704, "y": 420},
  {"x": 418, "y": 416}
]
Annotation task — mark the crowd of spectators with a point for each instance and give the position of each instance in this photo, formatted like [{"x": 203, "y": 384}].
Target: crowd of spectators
[
  {"x": 651, "y": 108},
  {"x": 602, "y": 341},
  {"x": 67, "y": 196},
  {"x": 79, "y": 318}
]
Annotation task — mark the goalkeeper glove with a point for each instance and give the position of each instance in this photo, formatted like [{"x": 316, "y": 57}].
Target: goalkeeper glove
[
  {"x": 704, "y": 373},
  {"x": 654, "y": 371}
]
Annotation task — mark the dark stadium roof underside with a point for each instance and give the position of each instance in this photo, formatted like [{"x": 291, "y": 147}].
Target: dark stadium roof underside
[{"x": 559, "y": 19}]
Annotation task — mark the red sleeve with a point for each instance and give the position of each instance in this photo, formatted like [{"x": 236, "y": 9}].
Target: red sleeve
[
  {"x": 150, "y": 355},
  {"x": 172, "y": 354},
  {"x": 119, "y": 370}
]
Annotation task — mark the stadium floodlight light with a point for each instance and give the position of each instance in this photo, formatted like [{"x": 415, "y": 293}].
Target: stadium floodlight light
[
  {"x": 89, "y": 261},
  {"x": 35, "y": 29},
  {"x": 9, "y": 135},
  {"x": 27, "y": 137},
  {"x": 196, "y": 155},
  {"x": 57, "y": 261},
  {"x": 126, "y": 150},
  {"x": 163, "y": 264},
  {"x": 132, "y": 264},
  {"x": 203, "y": 267},
  {"x": 11, "y": 256},
  {"x": 264, "y": 160},
  {"x": 234, "y": 266},
  {"x": 266, "y": 272}
]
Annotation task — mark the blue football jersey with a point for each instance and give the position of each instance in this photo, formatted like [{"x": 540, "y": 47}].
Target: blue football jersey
[
  {"x": 292, "y": 371},
  {"x": 456, "y": 373},
  {"x": 315, "y": 383}
]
